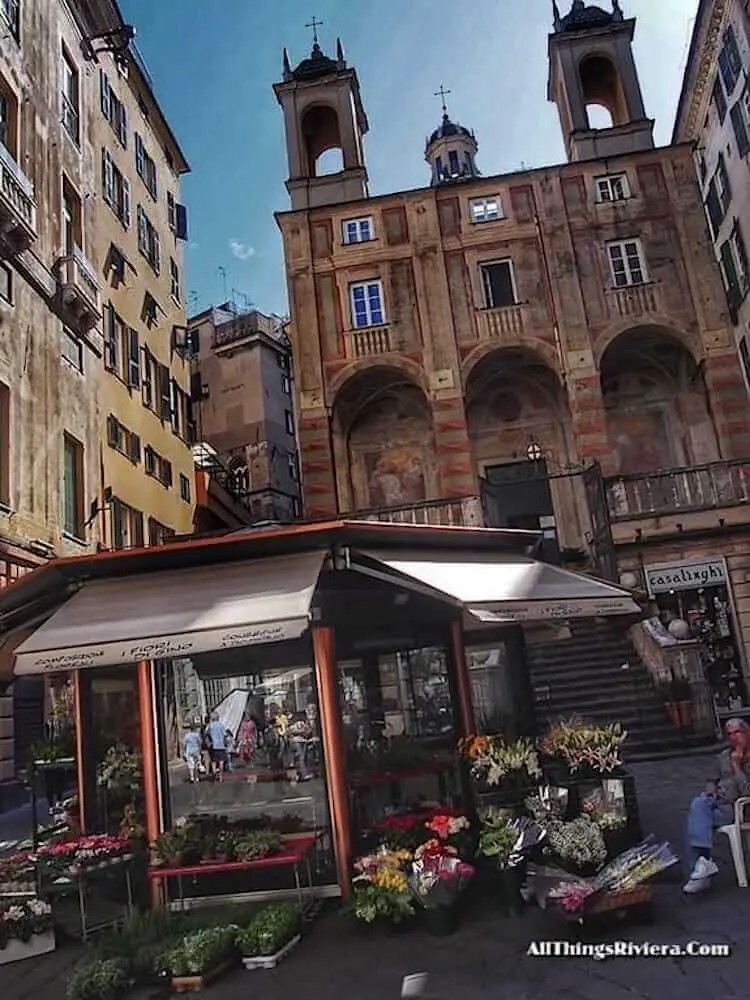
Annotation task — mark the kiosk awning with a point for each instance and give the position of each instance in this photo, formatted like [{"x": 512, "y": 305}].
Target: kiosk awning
[
  {"x": 501, "y": 589},
  {"x": 172, "y": 614}
]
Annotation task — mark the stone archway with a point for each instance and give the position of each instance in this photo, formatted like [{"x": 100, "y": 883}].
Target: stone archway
[
  {"x": 522, "y": 443},
  {"x": 656, "y": 404},
  {"x": 383, "y": 436}
]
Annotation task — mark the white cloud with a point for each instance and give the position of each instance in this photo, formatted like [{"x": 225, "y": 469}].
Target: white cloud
[{"x": 241, "y": 250}]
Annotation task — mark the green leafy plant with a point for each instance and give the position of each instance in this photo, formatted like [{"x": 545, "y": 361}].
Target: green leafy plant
[
  {"x": 269, "y": 930},
  {"x": 101, "y": 979},
  {"x": 258, "y": 844},
  {"x": 497, "y": 838},
  {"x": 369, "y": 902},
  {"x": 199, "y": 952}
]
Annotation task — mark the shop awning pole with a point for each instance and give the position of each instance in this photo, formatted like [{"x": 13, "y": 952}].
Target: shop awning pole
[
  {"x": 334, "y": 751},
  {"x": 463, "y": 681},
  {"x": 148, "y": 752},
  {"x": 81, "y": 762}
]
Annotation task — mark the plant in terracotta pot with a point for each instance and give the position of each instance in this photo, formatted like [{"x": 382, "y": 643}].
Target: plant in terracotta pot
[
  {"x": 257, "y": 844},
  {"x": 168, "y": 849}
]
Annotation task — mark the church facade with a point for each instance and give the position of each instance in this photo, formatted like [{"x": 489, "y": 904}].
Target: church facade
[{"x": 554, "y": 343}]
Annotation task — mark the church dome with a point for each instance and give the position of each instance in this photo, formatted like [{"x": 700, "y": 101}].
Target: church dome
[
  {"x": 317, "y": 64},
  {"x": 448, "y": 129},
  {"x": 582, "y": 17}
]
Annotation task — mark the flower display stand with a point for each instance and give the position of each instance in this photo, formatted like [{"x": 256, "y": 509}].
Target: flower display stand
[
  {"x": 610, "y": 911},
  {"x": 38, "y": 944},
  {"x": 194, "y": 984},
  {"x": 271, "y": 961}
]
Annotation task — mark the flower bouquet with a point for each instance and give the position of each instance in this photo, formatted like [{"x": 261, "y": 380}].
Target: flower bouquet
[
  {"x": 437, "y": 879},
  {"x": 584, "y": 747},
  {"x": 578, "y": 845},
  {"x": 506, "y": 844},
  {"x": 25, "y": 929},
  {"x": 380, "y": 889},
  {"x": 512, "y": 766},
  {"x": 454, "y": 830},
  {"x": 72, "y": 857},
  {"x": 403, "y": 831}
]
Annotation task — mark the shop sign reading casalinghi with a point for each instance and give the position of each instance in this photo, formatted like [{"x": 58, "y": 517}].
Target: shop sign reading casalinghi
[{"x": 686, "y": 576}]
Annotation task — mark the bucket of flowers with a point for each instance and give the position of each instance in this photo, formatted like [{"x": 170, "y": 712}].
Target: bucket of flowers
[
  {"x": 512, "y": 768},
  {"x": 574, "y": 748},
  {"x": 505, "y": 844},
  {"x": 380, "y": 890},
  {"x": 402, "y": 831},
  {"x": 25, "y": 929},
  {"x": 454, "y": 830},
  {"x": 578, "y": 845},
  {"x": 436, "y": 880}
]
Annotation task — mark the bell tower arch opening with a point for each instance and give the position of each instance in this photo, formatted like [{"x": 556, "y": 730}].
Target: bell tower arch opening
[
  {"x": 593, "y": 80},
  {"x": 325, "y": 125}
]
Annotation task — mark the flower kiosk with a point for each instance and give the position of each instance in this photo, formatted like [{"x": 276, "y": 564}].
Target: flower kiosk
[{"x": 294, "y": 686}]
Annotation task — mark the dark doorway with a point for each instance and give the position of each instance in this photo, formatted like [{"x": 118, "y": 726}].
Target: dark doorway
[{"x": 518, "y": 495}]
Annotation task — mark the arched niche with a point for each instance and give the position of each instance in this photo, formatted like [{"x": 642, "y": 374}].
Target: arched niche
[
  {"x": 656, "y": 403},
  {"x": 384, "y": 438},
  {"x": 321, "y": 131},
  {"x": 602, "y": 92}
]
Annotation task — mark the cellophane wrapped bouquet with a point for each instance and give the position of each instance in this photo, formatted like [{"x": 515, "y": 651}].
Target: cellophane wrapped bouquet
[
  {"x": 630, "y": 869},
  {"x": 438, "y": 875}
]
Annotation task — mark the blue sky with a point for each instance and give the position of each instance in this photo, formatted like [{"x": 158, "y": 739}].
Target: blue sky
[{"x": 214, "y": 65}]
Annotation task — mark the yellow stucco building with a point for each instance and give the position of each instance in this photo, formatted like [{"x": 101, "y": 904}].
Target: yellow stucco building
[{"x": 147, "y": 425}]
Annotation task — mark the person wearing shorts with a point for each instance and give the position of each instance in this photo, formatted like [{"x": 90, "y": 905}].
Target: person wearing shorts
[{"x": 217, "y": 736}]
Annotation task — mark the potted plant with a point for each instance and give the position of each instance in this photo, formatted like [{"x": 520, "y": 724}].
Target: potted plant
[
  {"x": 437, "y": 879},
  {"x": 257, "y": 844},
  {"x": 380, "y": 890},
  {"x": 678, "y": 701},
  {"x": 498, "y": 838},
  {"x": 168, "y": 849},
  {"x": 102, "y": 979},
  {"x": 199, "y": 958},
  {"x": 270, "y": 936},
  {"x": 25, "y": 929}
]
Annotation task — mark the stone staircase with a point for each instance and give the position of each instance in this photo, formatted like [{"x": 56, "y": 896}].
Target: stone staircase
[{"x": 595, "y": 672}]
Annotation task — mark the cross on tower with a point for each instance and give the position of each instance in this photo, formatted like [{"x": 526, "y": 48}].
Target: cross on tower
[
  {"x": 442, "y": 94},
  {"x": 315, "y": 24}
]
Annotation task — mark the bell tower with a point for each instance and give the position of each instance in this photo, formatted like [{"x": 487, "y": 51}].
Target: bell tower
[
  {"x": 591, "y": 64},
  {"x": 323, "y": 112}
]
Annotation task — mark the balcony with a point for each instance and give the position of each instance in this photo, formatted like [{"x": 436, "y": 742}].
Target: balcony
[
  {"x": 506, "y": 325},
  {"x": 368, "y": 342},
  {"x": 634, "y": 300},
  {"x": 463, "y": 513},
  {"x": 78, "y": 289},
  {"x": 17, "y": 206},
  {"x": 720, "y": 485}
]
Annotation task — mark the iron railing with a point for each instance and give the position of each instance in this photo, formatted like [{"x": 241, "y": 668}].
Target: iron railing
[{"x": 704, "y": 487}]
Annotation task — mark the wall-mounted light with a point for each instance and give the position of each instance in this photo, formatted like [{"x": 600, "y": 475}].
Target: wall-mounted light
[{"x": 534, "y": 452}]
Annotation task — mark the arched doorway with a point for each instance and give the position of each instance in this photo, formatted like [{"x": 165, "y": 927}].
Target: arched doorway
[
  {"x": 384, "y": 439},
  {"x": 656, "y": 404},
  {"x": 521, "y": 439}
]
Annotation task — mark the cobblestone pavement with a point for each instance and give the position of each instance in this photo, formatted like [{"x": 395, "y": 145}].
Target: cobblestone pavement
[{"x": 487, "y": 960}]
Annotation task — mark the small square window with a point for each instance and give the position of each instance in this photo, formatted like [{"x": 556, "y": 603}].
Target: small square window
[
  {"x": 184, "y": 488},
  {"x": 498, "y": 284},
  {"x": 286, "y": 384},
  {"x": 367, "y": 304},
  {"x": 613, "y": 187},
  {"x": 358, "y": 230},
  {"x": 71, "y": 350},
  {"x": 289, "y": 421},
  {"x": 486, "y": 209}
]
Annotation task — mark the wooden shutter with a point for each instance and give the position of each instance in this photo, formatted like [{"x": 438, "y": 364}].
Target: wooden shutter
[
  {"x": 714, "y": 209},
  {"x": 4, "y": 444},
  {"x": 104, "y": 85},
  {"x": 136, "y": 527},
  {"x": 181, "y": 220},
  {"x": 134, "y": 358},
  {"x": 135, "y": 448},
  {"x": 117, "y": 512},
  {"x": 165, "y": 392},
  {"x": 740, "y": 131},
  {"x": 113, "y": 431}
]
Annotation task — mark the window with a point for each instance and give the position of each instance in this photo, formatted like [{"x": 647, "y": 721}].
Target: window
[
  {"x": 145, "y": 166},
  {"x": 127, "y": 442},
  {"x": 171, "y": 211},
  {"x": 723, "y": 187},
  {"x": 289, "y": 421},
  {"x": 113, "y": 110},
  {"x": 71, "y": 350},
  {"x": 148, "y": 241},
  {"x": 10, "y": 15},
  {"x": 486, "y": 209},
  {"x": 165, "y": 393},
  {"x": 4, "y": 445},
  {"x": 8, "y": 118},
  {"x": 71, "y": 112},
  {"x": 358, "y": 230},
  {"x": 158, "y": 534},
  {"x": 717, "y": 95},
  {"x": 286, "y": 385},
  {"x": 149, "y": 375},
  {"x": 184, "y": 488},
  {"x": 292, "y": 465},
  {"x": 73, "y": 501},
  {"x": 734, "y": 266},
  {"x": 179, "y": 410},
  {"x": 626, "y": 263},
  {"x": 745, "y": 355},
  {"x": 454, "y": 167},
  {"x": 367, "y": 304},
  {"x": 174, "y": 280},
  {"x": 122, "y": 354},
  {"x": 614, "y": 187},
  {"x": 116, "y": 188},
  {"x": 714, "y": 210},
  {"x": 127, "y": 526},
  {"x": 296, "y": 508},
  {"x": 6, "y": 283},
  {"x": 72, "y": 236},
  {"x": 158, "y": 467},
  {"x": 739, "y": 116},
  {"x": 498, "y": 285},
  {"x": 730, "y": 64}
]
